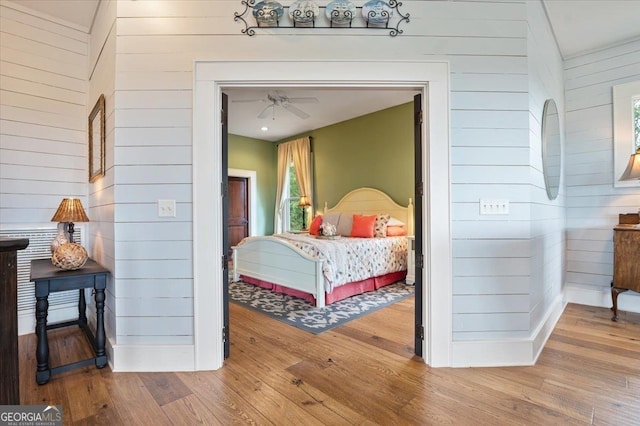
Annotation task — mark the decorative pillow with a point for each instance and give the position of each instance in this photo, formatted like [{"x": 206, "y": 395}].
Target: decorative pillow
[
  {"x": 395, "y": 222},
  {"x": 380, "y": 228},
  {"x": 332, "y": 218},
  {"x": 314, "y": 227},
  {"x": 363, "y": 226},
  {"x": 345, "y": 224},
  {"x": 396, "y": 231}
]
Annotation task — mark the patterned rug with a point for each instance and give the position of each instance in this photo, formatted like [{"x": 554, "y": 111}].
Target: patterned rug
[{"x": 302, "y": 314}]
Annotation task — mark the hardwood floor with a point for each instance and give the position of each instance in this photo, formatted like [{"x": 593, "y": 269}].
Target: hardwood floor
[{"x": 588, "y": 373}]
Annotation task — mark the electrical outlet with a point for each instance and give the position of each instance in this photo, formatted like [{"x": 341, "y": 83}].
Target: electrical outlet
[
  {"x": 167, "y": 208},
  {"x": 494, "y": 206}
]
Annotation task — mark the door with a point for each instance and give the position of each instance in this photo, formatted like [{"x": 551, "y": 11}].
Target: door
[
  {"x": 238, "y": 224},
  {"x": 419, "y": 191},
  {"x": 225, "y": 230}
]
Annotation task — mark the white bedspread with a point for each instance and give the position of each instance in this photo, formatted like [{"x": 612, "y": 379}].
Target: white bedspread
[{"x": 353, "y": 259}]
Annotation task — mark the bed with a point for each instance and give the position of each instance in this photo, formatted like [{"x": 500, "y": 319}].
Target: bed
[{"x": 296, "y": 263}]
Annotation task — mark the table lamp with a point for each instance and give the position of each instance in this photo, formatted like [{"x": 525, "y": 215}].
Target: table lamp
[
  {"x": 303, "y": 202},
  {"x": 633, "y": 168},
  {"x": 70, "y": 210}
]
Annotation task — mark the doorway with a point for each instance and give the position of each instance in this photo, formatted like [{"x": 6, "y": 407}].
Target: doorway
[{"x": 429, "y": 77}]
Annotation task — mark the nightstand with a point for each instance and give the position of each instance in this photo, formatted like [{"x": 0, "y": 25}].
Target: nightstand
[
  {"x": 626, "y": 251},
  {"x": 411, "y": 260}
]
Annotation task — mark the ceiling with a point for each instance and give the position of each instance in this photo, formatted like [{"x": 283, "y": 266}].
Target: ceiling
[{"x": 579, "y": 26}]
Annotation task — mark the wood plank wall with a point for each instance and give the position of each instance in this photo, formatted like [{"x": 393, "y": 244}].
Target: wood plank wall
[
  {"x": 593, "y": 204},
  {"x": 491, "y": 155},
  {"x": 43, "y": 91}
]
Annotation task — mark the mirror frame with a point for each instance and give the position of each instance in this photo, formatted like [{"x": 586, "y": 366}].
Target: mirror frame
[
  {"x": 551, "y": 135},
  {"x": 96, "y": 136}
]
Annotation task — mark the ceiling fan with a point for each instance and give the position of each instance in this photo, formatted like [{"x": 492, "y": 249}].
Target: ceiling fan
[{"x": 283, "y": 101}]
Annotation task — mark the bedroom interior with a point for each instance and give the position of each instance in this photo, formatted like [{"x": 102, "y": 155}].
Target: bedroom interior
[{"x": 525, "y": 290}]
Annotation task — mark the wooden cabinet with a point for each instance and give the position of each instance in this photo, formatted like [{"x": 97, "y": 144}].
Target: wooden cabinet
[
  {"x": 411, "y": 260},
  {"x": 9, "y": 364},
  {"x": 626, "y": 262}
]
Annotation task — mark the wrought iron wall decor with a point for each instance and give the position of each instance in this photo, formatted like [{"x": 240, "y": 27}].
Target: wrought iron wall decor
[{"x": 375, "y": 14}]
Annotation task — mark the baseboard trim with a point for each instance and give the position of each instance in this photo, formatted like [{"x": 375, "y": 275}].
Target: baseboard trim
[
  {"x": 627, "y": 301},
  {"x": 27, "y": 319},
  {"x": 508, "y": 352},
  {"x": 150, "y": 358}
]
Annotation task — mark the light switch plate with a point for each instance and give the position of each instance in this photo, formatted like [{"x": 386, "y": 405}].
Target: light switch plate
[
  {"x": 167, "y": 208},
  {"x": 494, "y": 206}
]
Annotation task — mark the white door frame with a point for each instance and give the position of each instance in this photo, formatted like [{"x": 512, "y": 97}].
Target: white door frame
[
  {"x": 251, "y": 175},
  {"x": 210, "y": 77}
]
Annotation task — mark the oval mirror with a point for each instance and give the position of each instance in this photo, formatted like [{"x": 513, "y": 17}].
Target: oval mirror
[{"x": 551, "y": 148}]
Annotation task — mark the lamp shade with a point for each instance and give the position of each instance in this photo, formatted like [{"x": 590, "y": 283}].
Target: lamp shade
[
  {"x": 633, "y": 168},
  {"x": 304, "y": 201},
  {"x": 70, "y": 210}
]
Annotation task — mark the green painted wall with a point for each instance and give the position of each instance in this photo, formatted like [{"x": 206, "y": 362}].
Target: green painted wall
[
  {"x": 375, "y": 150},
  {"x": 255, "y": 154}
]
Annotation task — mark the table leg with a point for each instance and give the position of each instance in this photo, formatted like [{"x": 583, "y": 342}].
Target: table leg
[
  {"x": 101, "y": 358},
  {"x": 43, "y": 372},
  {"x": 614, "y": 298},
  {"x": 82, "y": 308}
]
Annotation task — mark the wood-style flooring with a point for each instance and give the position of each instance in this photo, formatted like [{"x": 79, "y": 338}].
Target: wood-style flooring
[{"x": 361, "y": 373}]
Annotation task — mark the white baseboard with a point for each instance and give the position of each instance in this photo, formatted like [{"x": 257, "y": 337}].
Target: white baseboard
[
  {"x": 27, "y": 319},
  {"x": 507, "y": 352},
  {"x": 627, "y": 301},
  {"x": 149, "y": 358}
]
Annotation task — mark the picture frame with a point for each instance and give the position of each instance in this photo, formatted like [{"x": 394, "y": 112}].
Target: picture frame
[{"x": 96, "y": 131}]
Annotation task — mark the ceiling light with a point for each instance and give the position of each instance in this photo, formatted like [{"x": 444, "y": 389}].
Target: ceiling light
[{"x": 264, "y": 128}]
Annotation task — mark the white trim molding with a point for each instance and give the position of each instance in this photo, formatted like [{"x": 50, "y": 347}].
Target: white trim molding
[
  {"x": 627, "y": 301},
  {"x": 508, "y": 352},
  {"x": 211, "y": 77}
]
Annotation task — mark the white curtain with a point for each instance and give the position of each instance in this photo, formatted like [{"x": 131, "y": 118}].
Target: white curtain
[{"x": 298, "y": 151}]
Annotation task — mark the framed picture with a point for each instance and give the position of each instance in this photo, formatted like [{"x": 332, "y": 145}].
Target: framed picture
[{"x": 96, "y": 141}]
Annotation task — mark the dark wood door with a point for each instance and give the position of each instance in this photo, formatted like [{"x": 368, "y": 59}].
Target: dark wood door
[
  {"x": 238, "y": 209},
  {"x": 419, "y": 193},
  {"x": 225, "y": 220}
]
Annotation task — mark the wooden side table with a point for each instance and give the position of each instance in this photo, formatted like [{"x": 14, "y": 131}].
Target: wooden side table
[
  {"x": 626, "y": 255},
  {"x": 48, "y": 279}
]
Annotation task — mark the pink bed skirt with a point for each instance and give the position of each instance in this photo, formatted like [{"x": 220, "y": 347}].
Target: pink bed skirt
[{"x": 339, "y": 293}]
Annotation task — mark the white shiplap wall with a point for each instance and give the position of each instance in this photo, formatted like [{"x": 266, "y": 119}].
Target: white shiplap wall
[
  {"x": 151, "y": 46},
  {"x": 43, "y": 90},
  {"x": 593, "y": 203},
  {"x": 101, "y": 75},
  {"x": 43, "y": 149},
  {"x": 486, "y": 44}
]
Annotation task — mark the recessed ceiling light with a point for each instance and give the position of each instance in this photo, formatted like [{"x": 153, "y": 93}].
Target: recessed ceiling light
[{"x": 264, "y": 128}]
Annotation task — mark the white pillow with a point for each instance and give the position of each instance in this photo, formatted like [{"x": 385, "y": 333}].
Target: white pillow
[
  {"x": 395, "y": 222},
  {"x": 345, "y": 224}
]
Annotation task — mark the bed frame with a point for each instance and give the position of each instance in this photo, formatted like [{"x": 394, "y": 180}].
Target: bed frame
[{"x": 276, "y": 261}]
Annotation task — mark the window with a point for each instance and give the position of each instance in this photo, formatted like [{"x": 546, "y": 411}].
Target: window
[
  {"x": 626, "y": 128},
  {"x": 293, "y": 215}
]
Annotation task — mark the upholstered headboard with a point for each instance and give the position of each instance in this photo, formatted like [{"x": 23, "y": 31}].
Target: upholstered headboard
[{"x": 368, "y": 201}]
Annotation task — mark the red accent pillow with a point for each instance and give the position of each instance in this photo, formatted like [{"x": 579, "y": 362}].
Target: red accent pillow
[
  {"x": 363, "y": 226},
  {"x": 396, "y": 231},
  {"x": 314, "y": 227}
]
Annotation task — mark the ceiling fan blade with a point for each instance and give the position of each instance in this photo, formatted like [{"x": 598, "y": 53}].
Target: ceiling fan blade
[
  {"x": 265, "y": 112},
  {"x": 303, "y": 100},
  {"x": 296, "y": 111},
  {"x": 247, "y": 100}
]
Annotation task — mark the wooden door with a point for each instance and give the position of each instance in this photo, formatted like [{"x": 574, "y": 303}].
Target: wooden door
[{"x": 238, "y": 224}]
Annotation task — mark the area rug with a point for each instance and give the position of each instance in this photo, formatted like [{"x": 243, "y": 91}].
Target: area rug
[{"x": 301, "y": 314}]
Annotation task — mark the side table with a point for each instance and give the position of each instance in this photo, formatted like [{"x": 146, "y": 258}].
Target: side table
[{"x": 49, "y": 279}]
